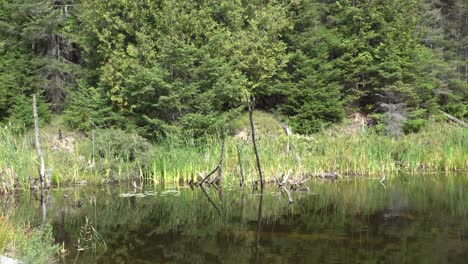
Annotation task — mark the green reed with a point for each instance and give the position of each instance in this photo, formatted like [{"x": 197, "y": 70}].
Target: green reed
[{"x": 440, "y": 148}]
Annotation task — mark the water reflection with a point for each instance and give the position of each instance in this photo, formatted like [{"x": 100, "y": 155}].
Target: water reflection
[
  {"x": 423, "y": 220},
  {"x": 259, "y": 226}
]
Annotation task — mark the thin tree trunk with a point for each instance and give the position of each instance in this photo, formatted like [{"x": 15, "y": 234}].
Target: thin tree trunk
[
  {"x": 241, "y": 169},
  {"x": 254, "y": 141},
  {"x": 38, "y": 145}
]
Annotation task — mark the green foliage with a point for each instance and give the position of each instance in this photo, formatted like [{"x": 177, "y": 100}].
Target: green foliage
[
  {"x": 118, "y": 144},
  {"x": 198, "y": 125},
  {"x": 265, "y": 123},
  {"x": 184, "y": 66},
  {"x": 414, "y": 125},
  {"x": 34, "y": 57},
  {"x": 37, "y": 246},
  {"x": 459, "y": 110},
  {"x": 21, "y": 113},
  {"x": 378, "y": 123},
  {"x": 88, "y": 109},
  {"x": 7, "y": 233}
]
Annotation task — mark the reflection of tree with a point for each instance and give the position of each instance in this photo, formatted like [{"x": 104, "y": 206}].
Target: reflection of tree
[
  {"x": 45, "y": 201},
  {"x": 345, "y": 224},
  {"x": 44, "y": 207},
  {"x": 210, "y": 200},
  {"x": 259, "y": 226}
]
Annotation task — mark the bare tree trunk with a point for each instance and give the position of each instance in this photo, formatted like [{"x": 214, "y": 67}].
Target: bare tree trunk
[
  {"x": 288, "y": 134},
  {"x": 38, "y": 146},
  {"x": 254, "y": 141}
]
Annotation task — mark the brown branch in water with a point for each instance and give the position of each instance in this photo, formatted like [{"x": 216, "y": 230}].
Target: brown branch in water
[
  {"x": 284, "y": 179},
  {"x": 209, "y": 174},
  {"x": 285, "y": 190},
  {"x": 218, "y": 169},
  {"x": 219, "y": 177}
]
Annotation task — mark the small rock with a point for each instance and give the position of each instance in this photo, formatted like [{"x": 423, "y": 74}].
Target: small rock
[
  {"x": 10, "y": 248},
  {"x": 7, "y": 260}
]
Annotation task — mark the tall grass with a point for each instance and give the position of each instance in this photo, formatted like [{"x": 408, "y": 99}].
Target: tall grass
[
  {"x": 443, "y": 148},
  {"x": 439, "y": 148}
]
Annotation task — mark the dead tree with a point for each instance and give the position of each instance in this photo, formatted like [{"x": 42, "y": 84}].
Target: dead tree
[
  {"x": 38, "y": 145},
  {"x": 254, "y": 141}
]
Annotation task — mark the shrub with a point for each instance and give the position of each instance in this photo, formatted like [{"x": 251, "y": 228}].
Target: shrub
[
  {"x": 414, "y": 125},
  {"x": 37, "y": 246},
  {"x": 21, "y": 114},
  {"x": 118, "y": 144},
  {"x": 198, "y": 125},
  {"x": 459, "y": 110},
  {"x": 7, "y": 233}
]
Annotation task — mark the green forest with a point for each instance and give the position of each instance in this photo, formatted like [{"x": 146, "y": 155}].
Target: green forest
[
  {"x": 144, "y": 131},
  {"x": 186, "y": 68}
]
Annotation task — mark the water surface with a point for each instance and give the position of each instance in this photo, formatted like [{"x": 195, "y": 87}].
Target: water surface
[{"x": 414, "y": 219}]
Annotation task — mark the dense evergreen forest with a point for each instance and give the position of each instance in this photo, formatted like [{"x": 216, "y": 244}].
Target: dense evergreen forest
[{"x": 169, "y": 66}]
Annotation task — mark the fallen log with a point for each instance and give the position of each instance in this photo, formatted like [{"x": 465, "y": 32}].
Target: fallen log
[{"x": 454, "y": 119}]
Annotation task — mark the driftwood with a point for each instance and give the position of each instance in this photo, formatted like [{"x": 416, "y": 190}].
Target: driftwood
[
  {"x": 38, "y": 145},
  {"x": 288, "y": 193},
  {"x": 219, "y": 177},
  {"x": 218, "y": 169},
  {"x": 326, "y": 176},
  {"x": 454, "y": 119}
]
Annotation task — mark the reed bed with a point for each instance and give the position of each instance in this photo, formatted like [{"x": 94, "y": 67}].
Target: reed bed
[{"x": 439, "y": 148}]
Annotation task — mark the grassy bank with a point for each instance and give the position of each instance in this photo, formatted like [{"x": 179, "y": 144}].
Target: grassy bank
[
  {"x": 29, "y": 245},
  {"x": 117, "y": 156}
]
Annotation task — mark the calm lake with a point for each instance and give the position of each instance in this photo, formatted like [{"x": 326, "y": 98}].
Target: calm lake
[{"x": 412, "y": 219}]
